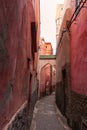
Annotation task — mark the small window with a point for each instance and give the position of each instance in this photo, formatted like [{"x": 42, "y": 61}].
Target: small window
[{"x": 28, "y": 63}]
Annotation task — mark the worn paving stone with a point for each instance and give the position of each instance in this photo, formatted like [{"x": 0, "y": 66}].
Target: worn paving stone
[{"x": 46, "y": 116}]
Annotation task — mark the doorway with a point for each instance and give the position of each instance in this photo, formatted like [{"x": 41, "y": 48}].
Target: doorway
[{"x": 64, "y": 85}]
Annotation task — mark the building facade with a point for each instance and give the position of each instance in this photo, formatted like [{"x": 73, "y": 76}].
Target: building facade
[
  {"x": 59, "y": 12},
  {"x": 45, "y": 48},
  {"x": 46, "y": 69},
  {"x": 19, "y": 36},
  {"x": 71, "y": 88}
]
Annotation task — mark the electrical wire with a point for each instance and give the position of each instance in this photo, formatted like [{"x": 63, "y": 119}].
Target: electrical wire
[{"x": 77, "y": 10}]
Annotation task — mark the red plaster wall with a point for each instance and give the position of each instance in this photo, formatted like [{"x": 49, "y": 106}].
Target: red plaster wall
[
  {"x": 49, "y": 50},
  {"x": 63, "y": 51},
  {"x": 79, "y": 53},
  {"x": 46, "y": 48},
  {"x": 15, "y": 50},
  {"x": 42, "y": 49},
  {"x": 42, "y": 82},
  {"x": 37, "y": 17},
  {"x": 45, "y": 79}
]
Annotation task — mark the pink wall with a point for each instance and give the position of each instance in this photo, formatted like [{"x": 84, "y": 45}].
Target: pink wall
[
  {"x": 79, "y": 53},
  {"x": 15, "y": 50}
]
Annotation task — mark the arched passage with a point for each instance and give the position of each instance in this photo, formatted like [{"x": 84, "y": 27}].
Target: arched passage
[
  {"x": 46, "y": 80},
  {"x": 42, "y": 63}
]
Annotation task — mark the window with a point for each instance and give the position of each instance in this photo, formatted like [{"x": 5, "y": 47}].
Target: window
[{"x": 28, "y": 63}]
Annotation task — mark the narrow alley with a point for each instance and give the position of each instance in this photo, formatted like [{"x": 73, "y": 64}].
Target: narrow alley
[
  {"x": 46, "y": 115},
  {"x": 43, "y": 64}
]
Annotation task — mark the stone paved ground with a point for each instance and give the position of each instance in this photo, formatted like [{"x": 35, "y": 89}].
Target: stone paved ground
[{"x": 46, "y": 116}]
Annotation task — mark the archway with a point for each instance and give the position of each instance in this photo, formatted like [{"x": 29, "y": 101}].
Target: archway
[{"x": 46, "y": 80}]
